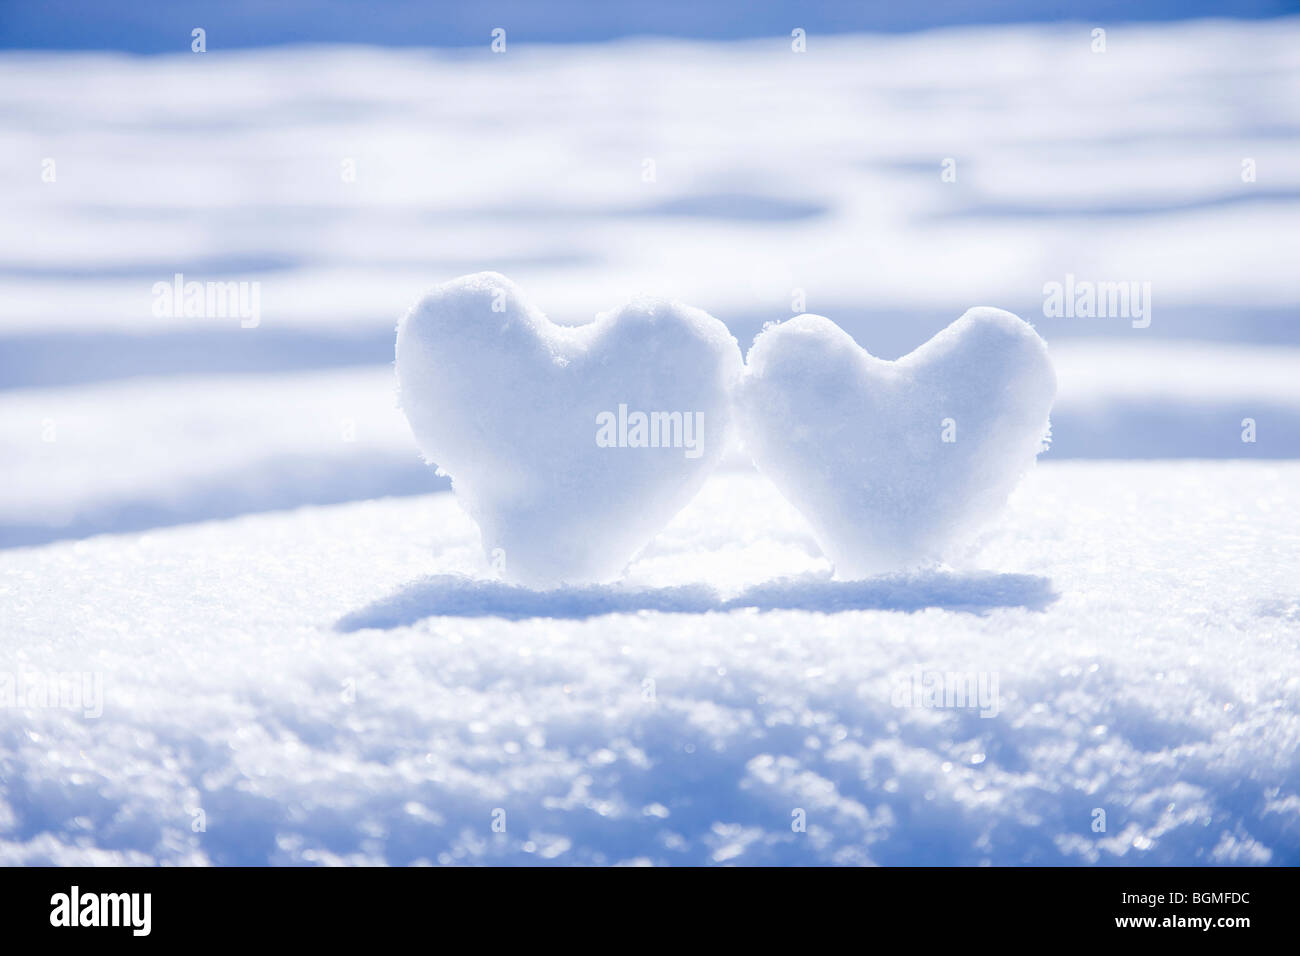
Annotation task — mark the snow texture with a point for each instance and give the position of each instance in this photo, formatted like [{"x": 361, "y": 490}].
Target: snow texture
[
  {"x": 379, "y": 702},
  {"x": 571, "y": 446},
  {"x": 350, "y": 682},
  {"x": 895, "y": 463}
]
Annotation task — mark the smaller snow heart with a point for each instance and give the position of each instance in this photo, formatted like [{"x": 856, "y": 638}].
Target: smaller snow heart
[
  {"x": 570, "y": 446},
  {"x": 894, "y": 463}
]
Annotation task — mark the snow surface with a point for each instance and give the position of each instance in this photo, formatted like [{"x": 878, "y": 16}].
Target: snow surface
[
  {"x": 227, "y": 645},
  {"x": 373, "y": 703},
  {"x": 571, "y": 446},
  {"x": 772, "y": 171},
  {"x": 896, "y": 463}
]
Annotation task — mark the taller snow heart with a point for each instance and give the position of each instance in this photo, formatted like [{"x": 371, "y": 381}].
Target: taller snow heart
[
  {"x": 570, "y": 446},
  {"x": 894, "y": 463}
]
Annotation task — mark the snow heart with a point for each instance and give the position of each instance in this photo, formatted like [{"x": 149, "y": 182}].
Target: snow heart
[
  {"x": 523, "y": 413},
  {"x": 892, "y": 463}
]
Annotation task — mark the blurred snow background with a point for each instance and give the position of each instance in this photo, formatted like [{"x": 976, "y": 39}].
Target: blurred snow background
[{"x": 774, "y": 174}]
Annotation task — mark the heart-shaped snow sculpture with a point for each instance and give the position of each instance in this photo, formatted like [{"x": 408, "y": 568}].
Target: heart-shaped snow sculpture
[
  {"x": 893, "y": 463},
  {"x": 570, "y": 446}
]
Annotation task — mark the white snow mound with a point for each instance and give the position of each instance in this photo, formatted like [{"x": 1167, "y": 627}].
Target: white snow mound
[{"x": 346, "y": 684}]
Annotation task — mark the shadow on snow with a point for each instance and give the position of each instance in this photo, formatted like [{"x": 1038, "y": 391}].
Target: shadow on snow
[{"x": 453, "y": 595}]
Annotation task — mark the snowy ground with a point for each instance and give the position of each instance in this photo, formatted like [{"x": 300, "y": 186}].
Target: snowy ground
[
  {"x": 1141, "y": 614},
  {"x": 325, "y": 686}
]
